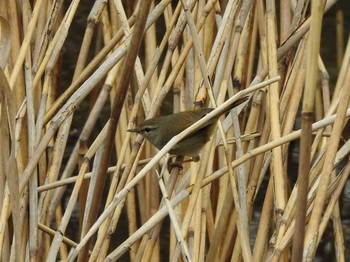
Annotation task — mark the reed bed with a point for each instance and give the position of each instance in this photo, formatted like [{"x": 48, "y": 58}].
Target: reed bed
[{"x": 106, "y": 194}]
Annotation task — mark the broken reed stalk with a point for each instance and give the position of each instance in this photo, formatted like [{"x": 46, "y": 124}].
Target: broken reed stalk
[{"x": 216, "y": 41}]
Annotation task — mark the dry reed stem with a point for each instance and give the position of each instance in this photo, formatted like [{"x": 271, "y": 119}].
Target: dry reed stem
[
  {"x": 310, "y": 247},
  {"x": 222, "y": 42},
  {"x": 25, "y": 43},
  {"x": 8, "y": 161},
  {"x": 306, "y": 132},
  {"x": 4, "y": 41},
  {"x": 340, "y": 37},
  {"x": 274, "y": 114}
]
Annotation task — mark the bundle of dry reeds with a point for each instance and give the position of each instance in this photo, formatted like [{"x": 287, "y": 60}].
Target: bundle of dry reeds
[{"x": 68, "y": 198}]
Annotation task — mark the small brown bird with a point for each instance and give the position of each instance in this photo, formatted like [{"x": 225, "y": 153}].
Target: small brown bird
[{"x": 159, "y": 130}]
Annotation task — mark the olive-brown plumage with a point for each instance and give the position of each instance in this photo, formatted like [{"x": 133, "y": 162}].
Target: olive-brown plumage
[{"x": 159, "y": 130}]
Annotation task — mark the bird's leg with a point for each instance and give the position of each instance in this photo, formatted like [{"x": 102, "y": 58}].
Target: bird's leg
[{"x": 177, "y": 163}]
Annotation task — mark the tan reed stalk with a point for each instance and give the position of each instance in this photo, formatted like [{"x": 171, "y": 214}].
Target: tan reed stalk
[
  {"x": 255, "y": 174},
  {"x": 45, "y": 31},
  {"x": 9, "y": 166},
  {"x": 239, "y": 72},
  {"x": 285, "y": 20},
  {"x": 342, "y": 71},
  {"x": 310, "y": 244},
  {"x": 252, "y": 48},
  {"x": 242, "y": 170},
  {"x": 33, "y": 183},
  {"x": 230, "y": 242},
  {"x": 5, "y": 41},
  {"x": 132, "y": 223},
  {"x": 291, "y": 96},
  {"x": 18, "y": 88},
  {"x": 152, "y": 196},
  {"x": 194, "y": 229},
  {"x": 71, "y": 180},
  {"x": 210, "y": 217},
  {"x": 289, "y": 214},
  {"x": 242, "y": 185},
  {"x": 51, "y": 232},
  {"x": 220, "y": 226},
  {"x": 262, "y": 33},
  {"x": 4, "y": 240},
  {"x": 334, "y": 200},
  {"x": 337, "y": 225},
  {"x": 292, "y": 92},
  {"x": 85, "y": 184},
  {"x": 325, "y": 88},
  {"x": 340, "y": 37},
  {"x": 64, "y": 246},
  {"x": 261, "y": 242},
  {"x": 227, "y": 27},
  {"x": 203, "y": 218},
  {"x": 274, "y": 114},
  {"x": 55, "y": 165},
  {"x": 332, "y": 108},
  {"x": 306, "y": 133},
  {"x": 19, "y": 51},
  {"x": 150, "y": 49}
]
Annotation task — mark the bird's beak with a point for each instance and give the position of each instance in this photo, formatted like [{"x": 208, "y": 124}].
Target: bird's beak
[{"x": 134, "y": 130}]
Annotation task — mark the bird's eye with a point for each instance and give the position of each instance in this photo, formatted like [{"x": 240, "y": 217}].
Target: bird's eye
[{"x": 147, "y": 129}]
